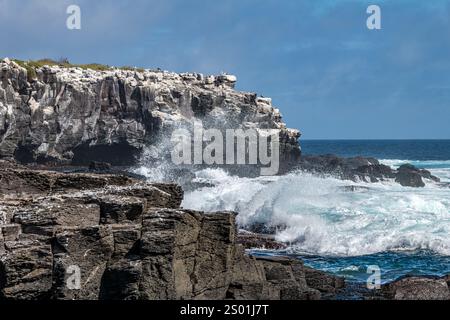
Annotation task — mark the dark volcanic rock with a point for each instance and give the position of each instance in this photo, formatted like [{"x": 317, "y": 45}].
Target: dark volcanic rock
[
  {"x": 90, "y": 250},
  {"x": 356, "y": 168},
  {"x": 410, "y": 176},
  {"x": 26, "y": 270},
  {"x": 417, "y": 288},
  {"x": 264, "y": 228},
  {"x": 252, "y": 240},
  {"x": 76, "y": 116},
  {"x": 364, "y": 169},
  {"x": 325, "y": 283},
  {"x": 288, "y": 276},
  {"x": 95, "y": 236},
  {"x": 186, "y": 255},
  {"x": 96, "y": 166},
  {"x": 375, "y": 172},
  {"x": 269, "y": 278}
]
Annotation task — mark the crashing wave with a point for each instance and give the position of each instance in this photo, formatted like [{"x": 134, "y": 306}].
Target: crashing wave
[{"x": 322, "y": 217}]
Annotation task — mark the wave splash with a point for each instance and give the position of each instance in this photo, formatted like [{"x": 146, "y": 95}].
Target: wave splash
[{"x": 322, "y": 217}]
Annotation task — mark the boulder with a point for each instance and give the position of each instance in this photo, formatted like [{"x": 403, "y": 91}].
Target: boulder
[
  {"x": 322, "y": 281},
  {"x": 364, "y": 169},
  {"x": 409, "y": 176},
  {"x": 288, "y": 276},
  {"x": 417, "y": 288}
]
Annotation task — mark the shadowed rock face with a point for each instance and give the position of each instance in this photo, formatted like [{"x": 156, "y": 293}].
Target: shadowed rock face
[
  {"x": 129, "y": 240},
  {"x": 75, "y": 116}
]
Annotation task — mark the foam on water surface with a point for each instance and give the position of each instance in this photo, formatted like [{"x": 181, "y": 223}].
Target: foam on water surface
[{"x": 322, "y": 217}]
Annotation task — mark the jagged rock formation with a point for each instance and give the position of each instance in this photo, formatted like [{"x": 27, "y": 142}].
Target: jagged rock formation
[
  {"x": 130, "y": 240},
  {"x": 365, "y": 169},
  {"x": 75, "y": 116},
  {"x": 72, "y": 115}
]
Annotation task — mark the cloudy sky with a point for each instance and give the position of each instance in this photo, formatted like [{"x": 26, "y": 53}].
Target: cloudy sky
[{"x": 330, "y": 76}]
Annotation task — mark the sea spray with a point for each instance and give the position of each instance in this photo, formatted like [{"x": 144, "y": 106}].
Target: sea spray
[{"x": 322, "y": 217}]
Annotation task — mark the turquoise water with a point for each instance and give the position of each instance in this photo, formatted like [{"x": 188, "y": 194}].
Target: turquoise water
[{"x": 392, "y": 264}]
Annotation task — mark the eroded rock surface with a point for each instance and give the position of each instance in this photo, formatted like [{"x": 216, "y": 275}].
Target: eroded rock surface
[
  {"x": 126, "y": 239},
  {"x": 71, "y": 115}
]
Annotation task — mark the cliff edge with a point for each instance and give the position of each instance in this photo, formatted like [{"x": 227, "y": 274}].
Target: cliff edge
[{"x": 71, "y": 115}]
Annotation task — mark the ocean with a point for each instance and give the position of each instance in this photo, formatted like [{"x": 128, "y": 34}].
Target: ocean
[{"x": 401, "y": 230}]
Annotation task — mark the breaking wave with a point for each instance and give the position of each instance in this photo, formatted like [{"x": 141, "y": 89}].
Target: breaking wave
[{"x": 321, "y": 216}]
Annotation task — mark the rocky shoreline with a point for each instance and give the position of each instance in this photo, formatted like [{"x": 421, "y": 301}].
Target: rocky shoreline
[
  {"x": 131, "y": 240},
  {"x": 366, "y": 170},
  {"x": 128, "y": 239}
]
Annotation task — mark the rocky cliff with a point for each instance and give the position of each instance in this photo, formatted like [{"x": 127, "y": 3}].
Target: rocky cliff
[
  {"x": 129, "y": 240},
  {"x": 74, "y": 115}
]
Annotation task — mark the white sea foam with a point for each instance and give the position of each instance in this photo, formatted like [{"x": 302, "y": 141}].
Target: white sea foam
[
  {"x": 322, "y": 218},
  {"x": 420, "y": 163},
  {"x": 439, "y": 168}
]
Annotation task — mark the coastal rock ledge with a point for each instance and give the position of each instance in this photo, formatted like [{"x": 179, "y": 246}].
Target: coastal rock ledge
[
  {"x": 129, "y": 240},
  {"x": 75, "y": 116}
]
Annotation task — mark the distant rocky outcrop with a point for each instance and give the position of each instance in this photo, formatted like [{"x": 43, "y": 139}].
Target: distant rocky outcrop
[
  {"x": 75, "y": 116},
  {"x": 365, "y": 169},
  {"x": 130, "y": 240}
]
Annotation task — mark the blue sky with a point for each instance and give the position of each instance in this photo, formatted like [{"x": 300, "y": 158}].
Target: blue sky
[{"x": 330, "y": 76}]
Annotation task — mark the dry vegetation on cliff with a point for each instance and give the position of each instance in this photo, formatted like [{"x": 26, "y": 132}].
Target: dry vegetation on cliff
[{"x": 32, "y": 65}]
